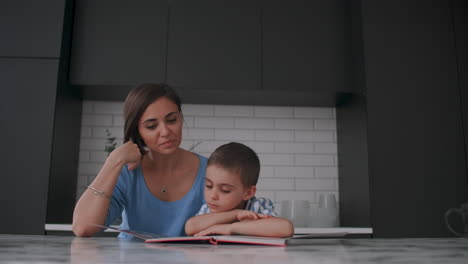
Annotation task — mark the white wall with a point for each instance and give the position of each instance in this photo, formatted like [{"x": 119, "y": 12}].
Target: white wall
[{"x": 296, "y": 145}]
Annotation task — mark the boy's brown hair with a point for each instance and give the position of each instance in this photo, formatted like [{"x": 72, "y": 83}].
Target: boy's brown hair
[{"x": 238, "y": 158}]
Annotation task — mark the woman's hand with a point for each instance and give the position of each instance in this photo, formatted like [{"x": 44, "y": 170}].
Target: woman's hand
[
  {"x": 245, "y": 215},
  {"x": 128, "y": 153}
]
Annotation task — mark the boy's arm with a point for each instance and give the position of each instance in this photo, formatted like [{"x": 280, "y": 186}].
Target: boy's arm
[
  {"x": 204, "y": 221},
  {"x": 267, "y": 227}
]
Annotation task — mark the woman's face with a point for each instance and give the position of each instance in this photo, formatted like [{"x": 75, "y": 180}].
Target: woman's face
[{"x": 160, "y": 126}]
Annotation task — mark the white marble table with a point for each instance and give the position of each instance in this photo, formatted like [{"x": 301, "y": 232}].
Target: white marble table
[
  {"x": 69, "y": 249},
  {"x": 297, "y": 230}
]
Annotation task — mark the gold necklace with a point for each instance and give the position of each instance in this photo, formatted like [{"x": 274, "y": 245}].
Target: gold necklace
[{"x": 164, "y": 188}]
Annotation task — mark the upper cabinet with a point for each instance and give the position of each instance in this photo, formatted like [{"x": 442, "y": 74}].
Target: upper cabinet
[
  {"x": 219, "y": 52},
  {"x": 31, "y": 28},
  {"x": 305, "y": 45},
  {"x": 214, "y": 45},
  {"x": 119, "y": 42}
]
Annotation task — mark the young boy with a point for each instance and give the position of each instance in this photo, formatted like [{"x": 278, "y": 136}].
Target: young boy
[{"x": 231, "y": 207}]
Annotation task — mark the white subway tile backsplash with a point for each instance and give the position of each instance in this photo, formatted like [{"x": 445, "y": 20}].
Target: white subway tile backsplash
[
  {"x": 214, "y": 122},
  {"x": 268, "y": 184},
  {"x": 291, "y": 147},
  {"x": 89, "y": 168},
  {"x": 82, "y": 181},
  {"x": 313, "y": 112},
  {"x": 294, "y": 124},
  {"x": 87, "y": 107},
  {"x": 274, "y": 135},
  {"x": 296, "y": 145},
  {"x": 295, "y": 195},
  {"x": 98, "y": 156},
  {"x": 189, "y": 121},
  {"x": 314, "y": 160},
  {"x": 265, "y": 194},
  {"x": 92, "y": 144},
  {"x": 108, "y": 108},
  {"x": 209, "y": 146},
  {"x": 274, "y": 111},
  {"x": 315, "y": 184},
  {"x": 267, "y": 172},
  {"x": 260, "y": 147},
  {"x": 314, "y": 136},
  {"x": 234, "y": 134},
  {"x": 83, "y": 156},
  {"x": 118, "y": 120},
  {"x": 86, "y": 132},
  {"x": 186, "y": 144},
  {"x": 326, "y": 172},
  {"x": 254, "y": 123},
  {"x": 326, "y": 148},
  {"x": 325, "y": 124},
  {"x": 294, "y": 172},
  {"x": 197, "y": 110},
  {"x": 198, "y": 133},
  {"x": 100, "y": 132},
  {"x": 234, "y": 110},
  {"x": 96, "y": 120},
  {"x": 276, "y": 159}
]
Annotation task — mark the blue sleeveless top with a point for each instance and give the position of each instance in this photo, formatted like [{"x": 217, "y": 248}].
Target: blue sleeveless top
[{"x": 142, "y": 211}]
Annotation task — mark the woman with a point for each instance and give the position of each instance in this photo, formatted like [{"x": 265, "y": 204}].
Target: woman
[{"x": 150, "y": 181}]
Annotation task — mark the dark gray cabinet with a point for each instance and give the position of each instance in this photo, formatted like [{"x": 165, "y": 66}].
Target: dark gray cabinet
[
  {"x": 413, "y": 110},
  {"x": 39, "y": 117},
  {"x": 306, "y": 46},
  {"x": 214, "y": 45},
  {"x": 223, "y": 52},
  {"x": 460, "y": 19},
  {"x": 28, "y": 105},
  {"x": 119, "y": 42},
  {"x": 31, "y": 28}
]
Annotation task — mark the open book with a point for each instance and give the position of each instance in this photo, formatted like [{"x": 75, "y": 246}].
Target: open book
[{"x": 215, "y": 239}]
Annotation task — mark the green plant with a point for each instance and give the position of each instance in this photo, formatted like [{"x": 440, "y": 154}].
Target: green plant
[{"x": 110, "y": 142}]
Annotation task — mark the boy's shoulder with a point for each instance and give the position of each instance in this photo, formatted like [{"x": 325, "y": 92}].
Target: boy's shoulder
[{"x": 261, "y": 205}]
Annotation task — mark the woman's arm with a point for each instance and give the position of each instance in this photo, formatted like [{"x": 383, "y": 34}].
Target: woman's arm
[
  {"x": 267, "y": 227},
  {"x": 92, "y": 208}
]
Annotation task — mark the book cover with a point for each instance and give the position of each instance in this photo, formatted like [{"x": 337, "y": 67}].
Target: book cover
[{"x": 215, "y": 239}]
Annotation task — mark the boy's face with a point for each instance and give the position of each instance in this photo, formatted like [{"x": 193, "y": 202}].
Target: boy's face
[{"x": 224, "y": 190}]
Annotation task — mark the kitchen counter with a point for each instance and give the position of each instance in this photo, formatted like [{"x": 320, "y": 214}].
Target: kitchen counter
[
  {"x": 58, "y": 249},
  {"x": 365, "y": 231}
]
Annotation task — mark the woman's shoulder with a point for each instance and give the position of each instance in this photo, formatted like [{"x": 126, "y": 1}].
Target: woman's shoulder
[
  {"x": 195, "y": 159},
  {"x": 128, "y": 176}
]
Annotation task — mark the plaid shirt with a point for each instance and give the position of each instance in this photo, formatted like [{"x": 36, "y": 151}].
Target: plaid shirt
[{"x": 257, "y": 205}]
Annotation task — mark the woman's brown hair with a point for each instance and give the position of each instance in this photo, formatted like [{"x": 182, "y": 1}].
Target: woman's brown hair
[{"x": 138, "y": 99}]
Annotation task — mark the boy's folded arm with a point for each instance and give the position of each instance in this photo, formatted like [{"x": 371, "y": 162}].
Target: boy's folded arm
[
  {"x": 201, "y": 222},
  {"x": 268, "y": 227}
]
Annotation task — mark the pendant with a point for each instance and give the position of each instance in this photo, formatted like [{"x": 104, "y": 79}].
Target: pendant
[{"x": 164, "y": 190}]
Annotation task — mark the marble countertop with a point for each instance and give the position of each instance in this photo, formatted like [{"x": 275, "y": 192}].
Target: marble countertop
[
  {"x": 297, "y": 230},
  {"x": 59, "y": 249}
]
